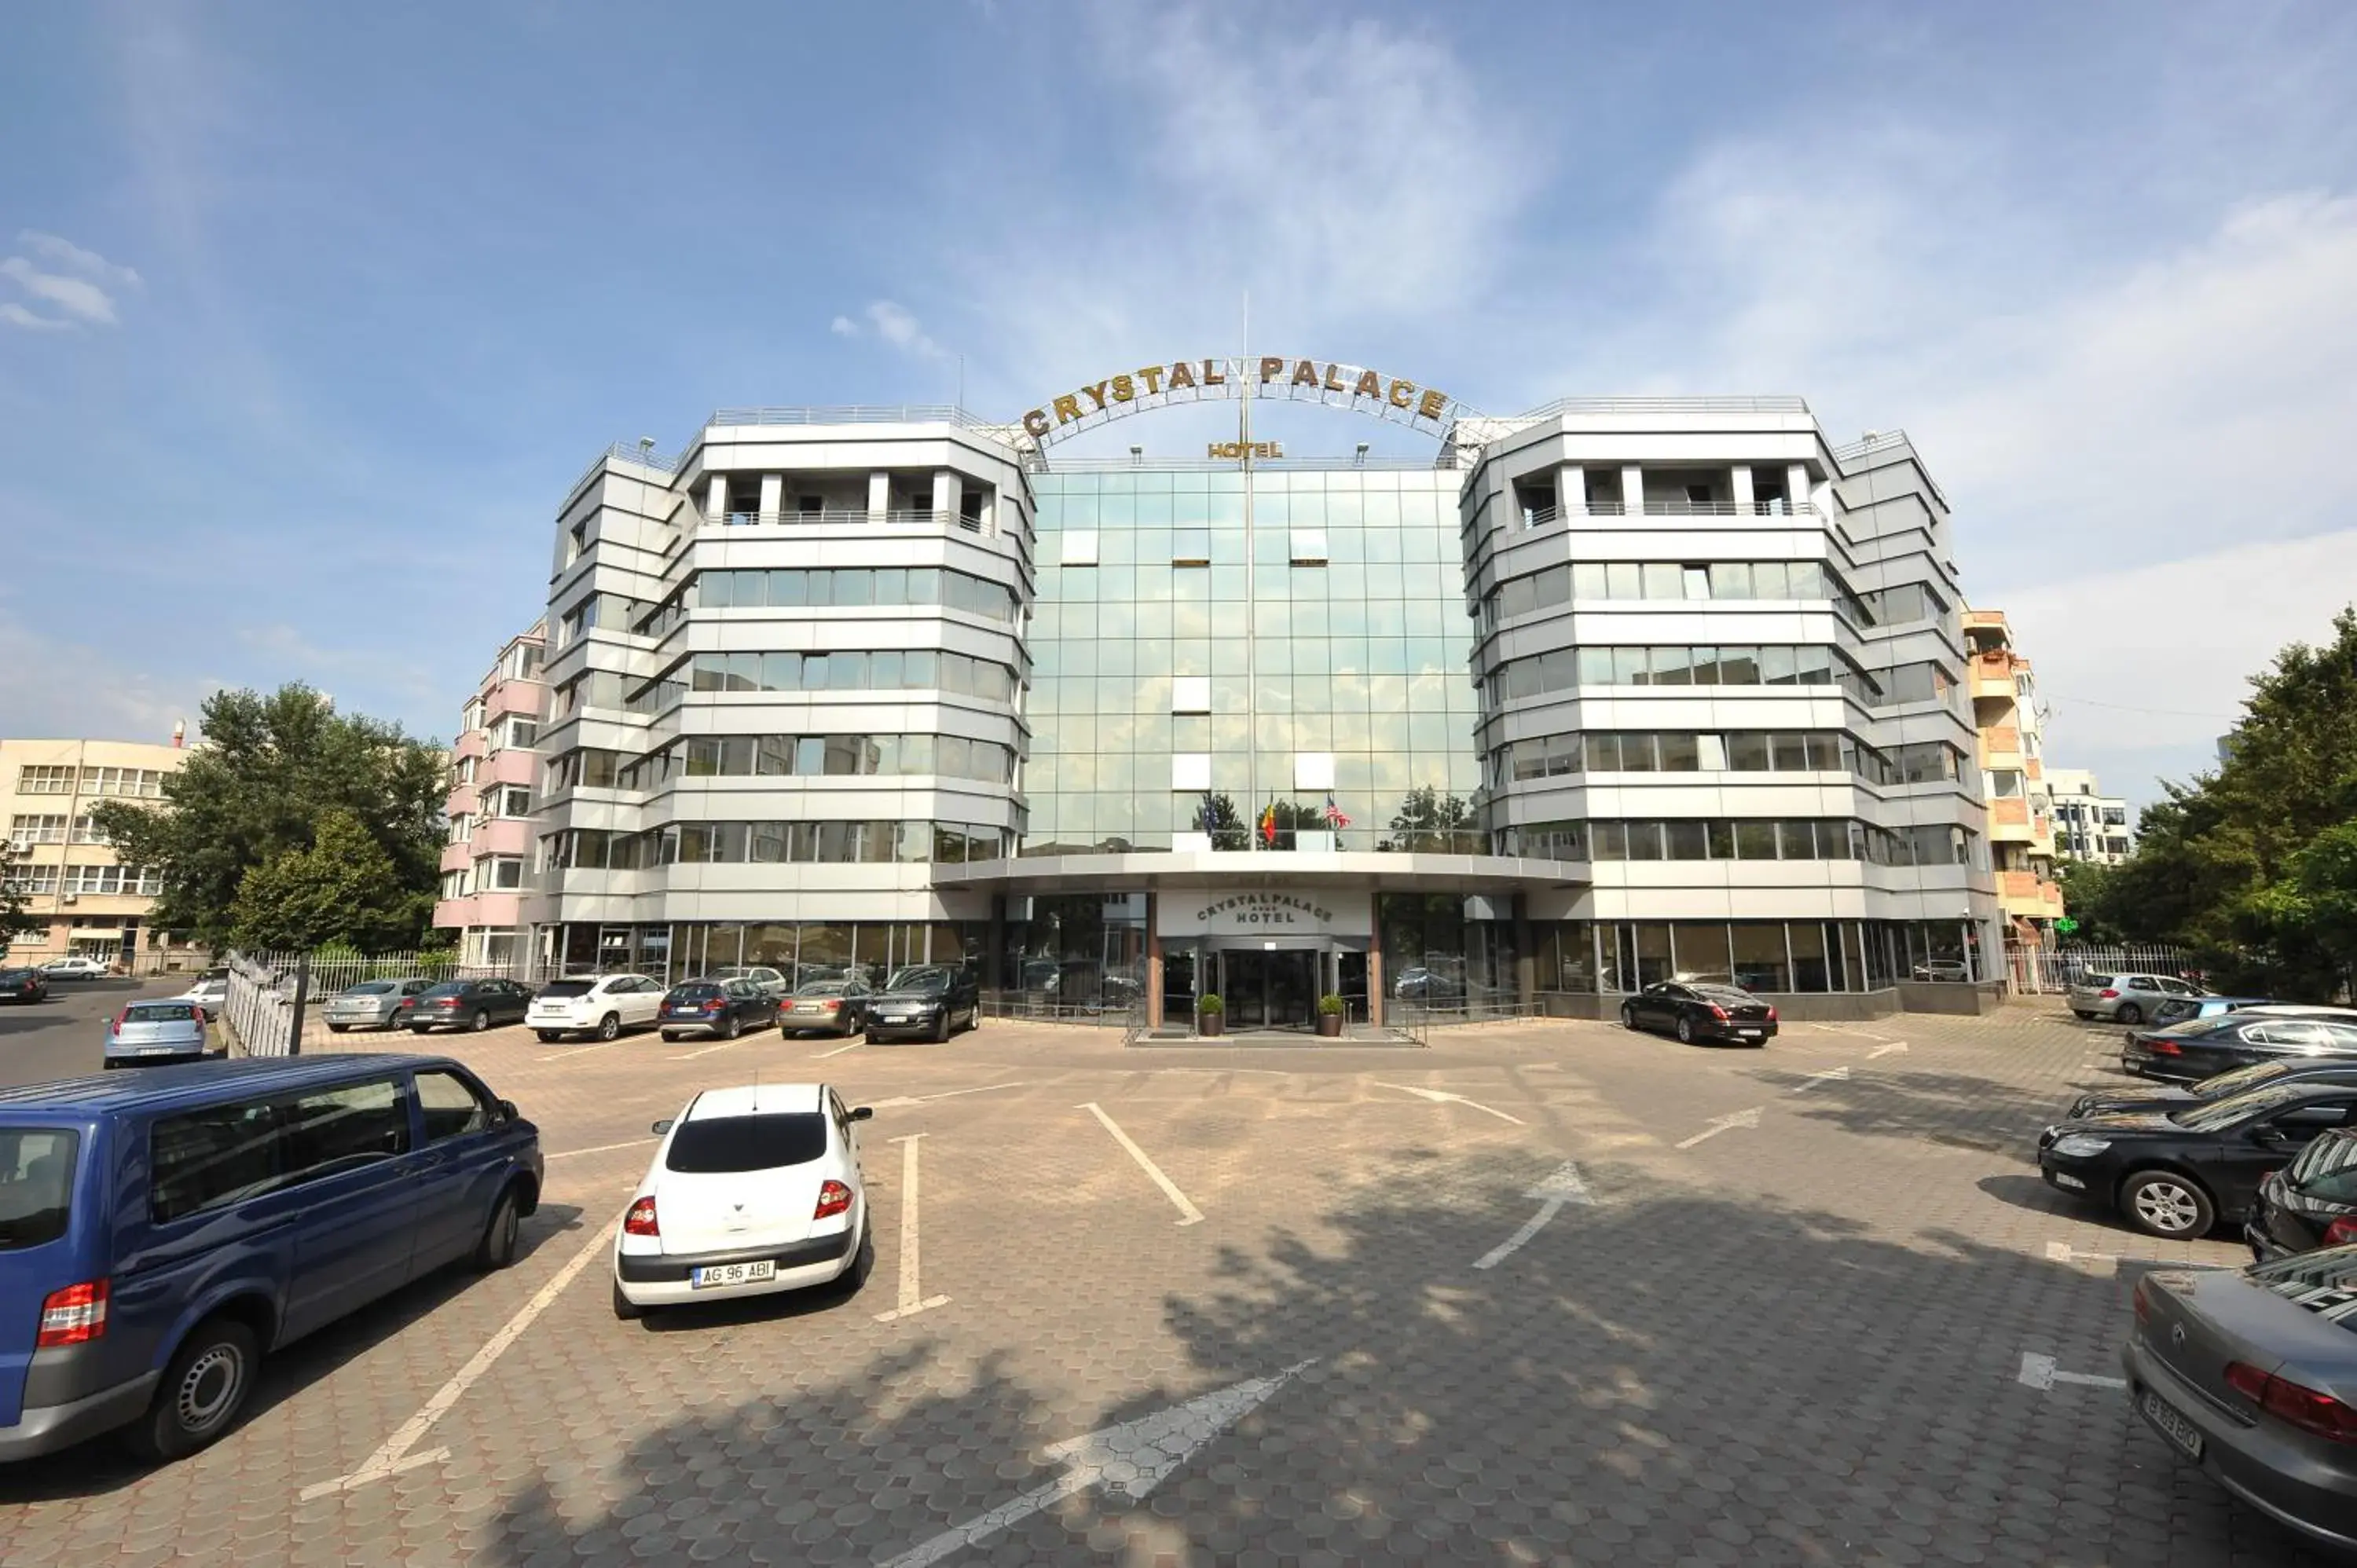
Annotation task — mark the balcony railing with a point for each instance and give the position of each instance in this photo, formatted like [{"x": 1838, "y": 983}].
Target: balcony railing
[
  {"x": 842, "y": 516},
  {"x": 1539, "y": 516}
]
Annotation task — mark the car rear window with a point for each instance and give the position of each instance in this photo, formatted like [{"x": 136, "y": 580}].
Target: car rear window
[
  {"x": 564, "y": 988},
  {"x": 825, "y": 988},
  {"x": 924, "y": 981},
  {"x": 371, "y": 988},
  {"x": 2324, "y": 1281},
  {"x": 2326, "y": 1170},
  {"x": 447, "y": 988},
  {"x": 697, "y": 992},
  {"x": 716, "y": 1143},
  {"x": 2092, "y": 978},
  {"x": 36, "y": 1165},
  {"x": 159, "y": 1013}
]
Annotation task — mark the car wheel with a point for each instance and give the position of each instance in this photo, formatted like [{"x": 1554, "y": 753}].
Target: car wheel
[
  {"x": 2162, "y": 1203},
  {"x": 1628, "y": 1016},
  {"x": 863, "y": 1261},
  {"x": 337, "y": 1029},
  {"x": 869, "y": 1037},
  {"x": 480, "y": 1021},
  {"x": 609, "y": 1027},
  {"x": 497, "y": 1248},
  {"x": 730, "y": 1028},
  {"x": 941, "y": 1029},
  {"x": 624, "y": 1309},
  {"x": 203, "y": 1389},
  {"x": 2129, "y": 1012},
  {"x": 2081, "y": 1015},
  {"x": 669, "y": 1038},
  {"x": 549, "y": 1037},
  {"x": 1685, "y": 1031}
]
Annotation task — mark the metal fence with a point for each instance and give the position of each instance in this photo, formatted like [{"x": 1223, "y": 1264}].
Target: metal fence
[
  {"x": 274, "y": 997},
  {"x": 2043, "y": 971}
]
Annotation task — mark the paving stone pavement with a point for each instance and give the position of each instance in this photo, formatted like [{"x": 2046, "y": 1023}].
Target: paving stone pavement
[{"x": 1795, "y": 1341}]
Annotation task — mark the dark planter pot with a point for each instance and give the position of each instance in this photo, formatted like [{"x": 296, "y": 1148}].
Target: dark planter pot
[
  {"x": 1211, "y": 1024},
  {"x": 1329, "y": 1024}
]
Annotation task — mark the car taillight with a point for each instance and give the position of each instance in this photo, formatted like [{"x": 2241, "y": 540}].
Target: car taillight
[
  {"x": 2163, "y": 1047},
  {"x": 2109, "y": 993},
  {"x": 712, "y": 1007},
  {"x": 835, "y": 1006},
  {"x": 74, "y": 1315},
  {"x": 2342, "y": 1232},
  {"x": 833, "y": 1197},
  {"x": 116, "y": 1027},
  {"x": 1718, "y": 1012},
  {"x": 640, "y": 1219},
  {"x": 2144, "y": 1298},
  {"x": 1772, "y": 1015},
  {"x": 2295, "y": 1404}
]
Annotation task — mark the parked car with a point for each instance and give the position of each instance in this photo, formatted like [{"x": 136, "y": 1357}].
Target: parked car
[
  {"x": 23, "y": 985},
  {"x": 830, "y": 1006},
  {"x": 161, "y": 1232},
  {"x": 464, "y": 1004},
  {"x": 2126, "y": 998},
  {"x": 768, "y": 980},
  {"x": 2310, "y": 1203},
  {"x": 722, "y": 1008},
  {"x": 2175, "y": 1174},
  {"x": 926, "y": 1000},
  {"x": 2170, "y": 1097},
  {"x": 166, "y": 1031},
  {"x": 1417, "y": 983},
  {"x": 2250, "y": 1374},
  {"x": 209, "y": 994},
  {"x": 1951, "y": 971},
  {"x": 75, "y": 968},
  {"x": 2186, "y": 1009},
  {"x": 603, "y": 1006},
  {"x": 754, "y": 1190},
  {"x": 2187, "y": 1053},
  {"x": 371, "y": 1003},
  {"x": 1700, "y": 1011}
]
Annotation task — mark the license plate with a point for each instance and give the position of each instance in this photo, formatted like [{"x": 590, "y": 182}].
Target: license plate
[
  {"x": 159, "y": 1050},
  {"x": 1749, "y": 1033},
  {"x": 2074, "y": 1183},
  {"x": 895, "y": 1017},
  {"x": 2171, "y": 1425},
  {"x": 735, "y": 1274}
]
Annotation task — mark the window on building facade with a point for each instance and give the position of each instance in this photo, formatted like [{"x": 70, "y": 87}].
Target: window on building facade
[{"x": 44, "y": 780}]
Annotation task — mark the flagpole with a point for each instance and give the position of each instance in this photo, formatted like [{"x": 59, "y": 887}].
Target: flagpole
[{"x": 1251, "y": 652}]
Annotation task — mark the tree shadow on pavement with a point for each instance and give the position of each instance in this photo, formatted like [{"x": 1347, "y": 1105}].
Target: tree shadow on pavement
[
  {"x": 1665, "y": 1375},
  {"x": 1957, "y": 1110}
]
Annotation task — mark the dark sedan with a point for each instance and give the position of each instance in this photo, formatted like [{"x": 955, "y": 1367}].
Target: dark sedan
[
  {"x": 722, "y": 1009},
  {"x": 932, "y": 1002},
  {"x": 2176, "y": 1173},
  {"x": 22, "y": 986},
  {"x": 2310, "y": 1203},
  {"x": 2170, "y": 1097},
  {"x": 463, "y": 1004},
  {"x": 1694, "y": 1011},
  {"x": 2250, "y": 1374},
  {"x": 2187, "y": 1053}
]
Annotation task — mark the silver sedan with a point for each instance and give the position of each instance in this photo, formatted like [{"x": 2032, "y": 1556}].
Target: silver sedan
[
  {"x": 370, "y": 1005},
  {"x": 2127, "y": 997}
]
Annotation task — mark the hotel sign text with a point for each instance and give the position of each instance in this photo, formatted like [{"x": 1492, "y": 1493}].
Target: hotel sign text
[{"x": 1327, "y": 381}]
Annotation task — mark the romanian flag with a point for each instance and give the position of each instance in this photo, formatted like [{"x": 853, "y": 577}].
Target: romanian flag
[{"x": 1268, "y": 826}]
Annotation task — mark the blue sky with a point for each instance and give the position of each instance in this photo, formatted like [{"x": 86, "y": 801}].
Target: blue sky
[{"x": 308, "y": 315}]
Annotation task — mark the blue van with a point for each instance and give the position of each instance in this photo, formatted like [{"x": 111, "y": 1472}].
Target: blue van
[{"x": 160, "y": 1232}]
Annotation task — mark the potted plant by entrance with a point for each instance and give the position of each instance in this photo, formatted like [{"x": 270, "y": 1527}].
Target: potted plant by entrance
[
  {"x": 1330, "y": 1015},
  {"x": 1210, "y": 1015}
]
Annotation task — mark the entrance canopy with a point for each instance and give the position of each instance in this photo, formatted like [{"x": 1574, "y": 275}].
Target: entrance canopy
[{"x": 1361, "y": 870}]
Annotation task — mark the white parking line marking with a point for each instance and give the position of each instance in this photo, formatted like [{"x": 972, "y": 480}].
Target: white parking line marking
[
  {"x": 1898, "y": 1046},
  {"x": 581, "y": 1050},
  {"x": 839, "y": 1050},
  {"x": 1562, "y": 1185},
  {"x": 901, "y": 1101},
  {"x": 2039, "y": 1372},
  {"x": 912, "y": 1301},
  {"x": 1721, "y": 1124},
  {"x": 393, "y": 1455},
  {"x": 1194, "y": 1215},
  {"x": 1816, "y": 1079},
  {"x": 605, "y": 1148},
  {"x": 1442, "y": 1097}
]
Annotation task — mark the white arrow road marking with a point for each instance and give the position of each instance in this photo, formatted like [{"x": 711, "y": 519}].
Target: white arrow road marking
[
  {"x": 1562, "y": 1185},
  {"x": 1194, "y": 1215},
  {"x": 1898, "y": 1046},
  {"x": 1442, "y": 1097},
  {"x": 394, "y": 1456},
  {"x": 1816, "y": 1079},
  {"x": 912, "y": 1301},
  {"x": 2039, "y": 1372},
  {"x": 1721, "y": 1124},
  {"x": 1129, "y": 1460},
  {"x": 901, "y": 1101}
]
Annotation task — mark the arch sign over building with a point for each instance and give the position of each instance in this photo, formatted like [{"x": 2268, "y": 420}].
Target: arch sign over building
[{"x": 1328, "y": 381}]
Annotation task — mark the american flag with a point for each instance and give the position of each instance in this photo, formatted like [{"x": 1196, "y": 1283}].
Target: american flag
[{"x": 1333, "y": 815}]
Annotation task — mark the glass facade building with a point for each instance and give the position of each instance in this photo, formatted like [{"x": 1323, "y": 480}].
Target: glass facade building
[{"x": 1608, "y": 693}]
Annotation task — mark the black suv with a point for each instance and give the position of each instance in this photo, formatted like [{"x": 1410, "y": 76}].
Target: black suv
[{"x": 928, "y": 1001}]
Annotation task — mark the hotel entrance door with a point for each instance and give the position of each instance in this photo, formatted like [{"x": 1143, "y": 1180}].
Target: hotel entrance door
[{"x": 1270, "y": 988}]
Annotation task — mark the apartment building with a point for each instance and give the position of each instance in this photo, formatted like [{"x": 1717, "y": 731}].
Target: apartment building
[
  {"x": 84, "y": 899},
  {"x": 1601, "y": 694},
  {"x": 2021, "y": 796},
  {"x": 495, "y": 783},
  {"x": 2088, "y": 824}
]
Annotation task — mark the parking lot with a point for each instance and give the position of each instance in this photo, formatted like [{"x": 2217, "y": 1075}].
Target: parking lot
[{"x": 1542, "y": 1292}]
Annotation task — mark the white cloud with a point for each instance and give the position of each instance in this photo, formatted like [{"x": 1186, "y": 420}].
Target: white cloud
[
  {"x": 843, "y": 326},
  {"x": 893, "y": 325},
  {"x": 15, "y": 315},
  {"x": 78, "y": 288}
]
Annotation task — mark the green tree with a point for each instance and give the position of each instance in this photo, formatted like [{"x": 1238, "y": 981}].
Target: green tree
[
  {"x": 15, "y": 918},
  {"x": 1430, "y": 821},
  {"x": 270, "y": 770},
  {"x": 343, "y": 890}
]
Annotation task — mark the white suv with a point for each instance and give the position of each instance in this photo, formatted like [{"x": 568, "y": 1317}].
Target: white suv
[{"x": 603, "y": 1006}]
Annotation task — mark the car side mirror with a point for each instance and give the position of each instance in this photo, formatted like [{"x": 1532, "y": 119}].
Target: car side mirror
[
  {"x": 863, "y": 1112},
  {"x": 662, "y": 1127},
  {"x": 508, "y": 1110}
]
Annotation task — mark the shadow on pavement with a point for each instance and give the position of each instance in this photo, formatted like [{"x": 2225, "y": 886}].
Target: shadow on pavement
[
  {"x": 1953, "y": 1109},
  {"x": 1668, "y": 1376}
]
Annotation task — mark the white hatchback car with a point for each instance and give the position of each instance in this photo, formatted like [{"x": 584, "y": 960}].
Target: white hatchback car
[
  {"x": 603, "y": 1006},
  {"x": 754, "y": 1190}
]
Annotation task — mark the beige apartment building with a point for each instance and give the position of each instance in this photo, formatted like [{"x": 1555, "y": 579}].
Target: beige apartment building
[
  {"x": 2004, "y": 691},
  {"x": 85, "y": 900}
]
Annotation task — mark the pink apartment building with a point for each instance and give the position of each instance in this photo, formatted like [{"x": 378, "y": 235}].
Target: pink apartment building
[{"x": 494, "y": 777}]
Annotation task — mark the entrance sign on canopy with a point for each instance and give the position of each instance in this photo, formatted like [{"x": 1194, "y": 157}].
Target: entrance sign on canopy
[{"x": 1356, "y": 388}]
